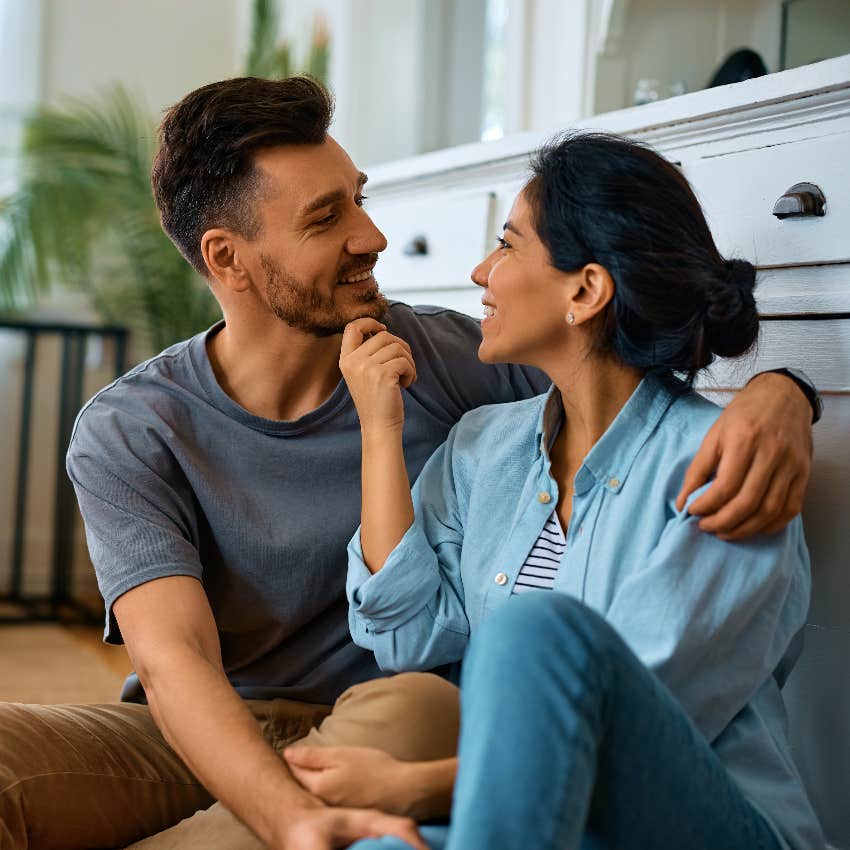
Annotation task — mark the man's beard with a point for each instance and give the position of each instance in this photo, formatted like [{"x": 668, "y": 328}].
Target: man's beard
[{"x": 307, "y": 309}]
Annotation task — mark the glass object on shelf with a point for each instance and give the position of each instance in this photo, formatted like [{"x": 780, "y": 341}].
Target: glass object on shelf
[{"x": 648, "y": 90}]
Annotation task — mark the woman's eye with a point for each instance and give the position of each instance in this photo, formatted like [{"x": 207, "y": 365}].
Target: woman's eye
[{"x": 503, "y": 243}]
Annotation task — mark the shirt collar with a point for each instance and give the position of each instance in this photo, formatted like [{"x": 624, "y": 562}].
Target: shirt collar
[{"x": 611, "y": 458}]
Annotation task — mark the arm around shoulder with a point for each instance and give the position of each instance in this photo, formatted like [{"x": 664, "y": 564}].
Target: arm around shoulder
[{"x": 759, "y": 452}]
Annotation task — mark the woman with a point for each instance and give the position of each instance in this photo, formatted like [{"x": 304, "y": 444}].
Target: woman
[{"x": 638, "y": 704}]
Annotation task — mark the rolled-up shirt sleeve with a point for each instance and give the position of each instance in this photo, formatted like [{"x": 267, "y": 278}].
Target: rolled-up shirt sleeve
[{"x": 411, "y": 612}]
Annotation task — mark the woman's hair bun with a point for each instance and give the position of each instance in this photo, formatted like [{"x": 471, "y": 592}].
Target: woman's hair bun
[{"x": 731, "y": 318}]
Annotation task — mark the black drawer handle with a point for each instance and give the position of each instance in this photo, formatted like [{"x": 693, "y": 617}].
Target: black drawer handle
[
  {"x": 801, "y": 201},
  {"x": 417, "y": 247}
]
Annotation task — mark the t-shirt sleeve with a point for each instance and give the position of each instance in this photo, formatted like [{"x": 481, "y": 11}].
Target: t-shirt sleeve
[
  {"x": 135, "y": 502},
  {"x": 451, "y": 379}
]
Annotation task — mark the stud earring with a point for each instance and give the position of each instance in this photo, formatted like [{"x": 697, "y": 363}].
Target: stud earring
[{"x": 571, "y": 319}]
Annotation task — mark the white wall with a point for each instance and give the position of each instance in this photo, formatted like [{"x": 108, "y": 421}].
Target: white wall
[{"x": 160, "y": 48}]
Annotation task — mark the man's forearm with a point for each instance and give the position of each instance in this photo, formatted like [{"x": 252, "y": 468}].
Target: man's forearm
[{"x": 211, "y": 729}]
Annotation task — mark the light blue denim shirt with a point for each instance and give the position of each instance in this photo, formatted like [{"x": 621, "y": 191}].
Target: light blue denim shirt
[{"x": 716, "y": 621}]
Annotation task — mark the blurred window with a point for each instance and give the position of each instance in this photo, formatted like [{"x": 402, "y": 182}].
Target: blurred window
[{"x": 494, "y": 89}]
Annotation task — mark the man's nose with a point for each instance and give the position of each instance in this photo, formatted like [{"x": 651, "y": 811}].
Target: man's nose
[
  {"x": 366, "y": 238},
  {"x": 481, "y": 273}
]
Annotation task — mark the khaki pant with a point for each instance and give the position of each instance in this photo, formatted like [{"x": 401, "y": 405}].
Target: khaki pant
[{"x": 102, "y": 776}]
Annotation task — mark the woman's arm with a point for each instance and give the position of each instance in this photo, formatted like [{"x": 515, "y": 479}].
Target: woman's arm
[
  {"x": 403, "y": 587},
  {"x": 412, "y": 613},
  {"x": 362, "y": 777},
  {"x": 376, "y": 366}
]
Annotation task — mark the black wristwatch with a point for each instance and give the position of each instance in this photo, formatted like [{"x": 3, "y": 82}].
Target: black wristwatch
[{"x": 804, "y": 382}]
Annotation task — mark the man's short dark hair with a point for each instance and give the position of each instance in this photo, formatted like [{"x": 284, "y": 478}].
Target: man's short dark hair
[{"x": 204, "y": 175}]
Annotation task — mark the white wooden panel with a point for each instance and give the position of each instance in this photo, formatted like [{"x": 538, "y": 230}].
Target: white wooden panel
[
  {"x": 463, "y": 299},
  {"x": 820, "y": 347},
  {"x": 738, "y": 192},
  {"x": 818, "y": 691},
  {"x": 455, "y": 227},
  {"x": 801, "y": 291}
]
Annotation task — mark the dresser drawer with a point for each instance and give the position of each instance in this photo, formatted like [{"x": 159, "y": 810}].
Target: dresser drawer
[
  {"x": 738, "y": 192},
  {"x": 434, "y": 242},
  {"x": 820, "y": 347}
]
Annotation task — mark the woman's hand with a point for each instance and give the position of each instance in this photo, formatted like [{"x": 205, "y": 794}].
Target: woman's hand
[
  {"x": 357, "y": 777},
  {"x": 376, "y": 366}
]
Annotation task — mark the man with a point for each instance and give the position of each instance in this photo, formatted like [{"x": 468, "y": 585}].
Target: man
[{"x": 219, "y": 483}]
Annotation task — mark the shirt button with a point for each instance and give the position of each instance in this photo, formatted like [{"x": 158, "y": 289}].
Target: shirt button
[
  {"x": 544, "y": 498},
  {"x": 501, "y": 579},
  {"x": 613, "y": 482}
]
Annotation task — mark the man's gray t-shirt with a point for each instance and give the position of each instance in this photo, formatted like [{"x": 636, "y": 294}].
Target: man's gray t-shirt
[{"x": 175, "y": 478}]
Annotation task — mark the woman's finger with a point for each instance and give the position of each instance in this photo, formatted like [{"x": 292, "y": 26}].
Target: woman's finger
[
  {"x": 381, "y": 340},
  {"x": 306, "y": 778},
  {"x": 357, "y": 332},
  {"x": 311, "y": 757}
]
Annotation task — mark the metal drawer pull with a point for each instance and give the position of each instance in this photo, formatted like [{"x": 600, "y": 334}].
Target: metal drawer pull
[
  {"x": 417, "y": 247},
  {"x": 800, "y": 201}
]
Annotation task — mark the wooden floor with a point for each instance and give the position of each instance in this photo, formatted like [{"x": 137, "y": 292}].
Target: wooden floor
[{"x": 59, "y": 664}]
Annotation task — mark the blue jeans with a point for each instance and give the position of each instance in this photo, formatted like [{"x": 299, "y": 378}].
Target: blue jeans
[{"x": 568, "y": 741}]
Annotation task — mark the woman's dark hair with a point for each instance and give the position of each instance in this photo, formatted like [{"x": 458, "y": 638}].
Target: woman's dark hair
[
  {"x": 597, "y": 198},
  {"x": 204, "y": 176}
]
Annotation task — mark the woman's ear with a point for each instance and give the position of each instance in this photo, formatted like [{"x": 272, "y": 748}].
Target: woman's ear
[
  {"x": 220, "y": 250},
  {"x": 593, "y": 289}
]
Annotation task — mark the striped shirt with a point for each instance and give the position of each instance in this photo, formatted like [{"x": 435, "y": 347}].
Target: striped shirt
[{"x": 541, "y": 566}]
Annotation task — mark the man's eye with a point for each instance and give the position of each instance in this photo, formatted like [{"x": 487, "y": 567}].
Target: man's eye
[
  {"x": 503, "y": 243},
  {"x": 360, "y": 199},
  {"x": 328, "y": 219}
]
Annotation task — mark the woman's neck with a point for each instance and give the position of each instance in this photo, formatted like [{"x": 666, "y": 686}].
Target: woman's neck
[{"x": 593, "y": 393}]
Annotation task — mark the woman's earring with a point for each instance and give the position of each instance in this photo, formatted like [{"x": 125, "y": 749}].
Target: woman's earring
[{"x": 571, "y": 319}]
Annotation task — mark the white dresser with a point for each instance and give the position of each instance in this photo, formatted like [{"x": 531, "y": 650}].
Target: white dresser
[{"x": 742, "y": 147}]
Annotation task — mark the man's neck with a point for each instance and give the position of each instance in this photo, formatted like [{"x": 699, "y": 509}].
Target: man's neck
[{"x": 279, "y": 373}]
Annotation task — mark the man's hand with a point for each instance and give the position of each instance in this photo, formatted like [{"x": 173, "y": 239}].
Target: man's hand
[
  {"x": 760, "y": 450},
  {"x": 362, "y": 777},
  {"x": 376, "y": 366},
  {"x": 325, "y": 829}
]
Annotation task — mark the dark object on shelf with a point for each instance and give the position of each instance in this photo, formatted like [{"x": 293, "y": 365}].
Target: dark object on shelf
[
  {"x": 741, "y": 65},
  {"x": 59, "y": 603},
  {"x": 800, "y": 201},
  {"x": 417, "y": 247}
]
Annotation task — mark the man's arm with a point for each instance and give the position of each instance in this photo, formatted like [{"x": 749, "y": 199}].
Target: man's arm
[
  {"x": 760, "y": 454},
  {"x": 171, "y": 638},
  {"x": 759, "y": 450}
]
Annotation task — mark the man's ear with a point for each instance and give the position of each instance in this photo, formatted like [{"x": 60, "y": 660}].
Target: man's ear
[
  {"x": 220, "y": 249},
  {"x": 593, "y": 289}
]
